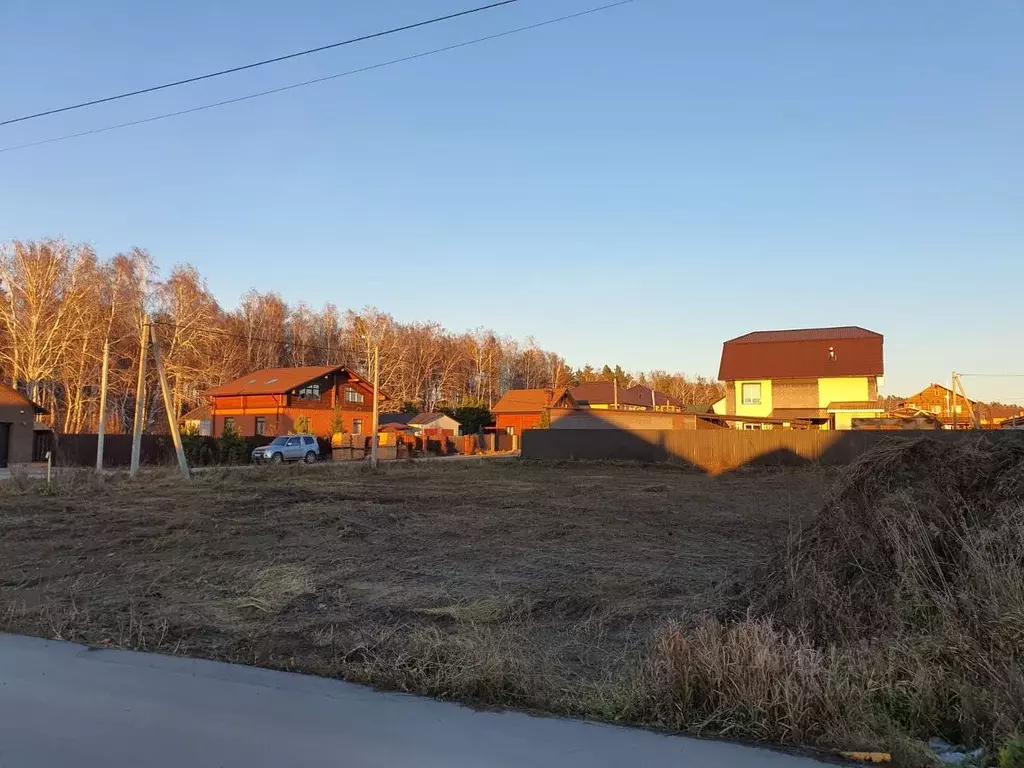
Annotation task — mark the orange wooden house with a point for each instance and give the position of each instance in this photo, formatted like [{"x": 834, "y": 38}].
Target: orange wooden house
[
  {"x": 522, "y": 409},
  {"x": 271, "y": 401}
]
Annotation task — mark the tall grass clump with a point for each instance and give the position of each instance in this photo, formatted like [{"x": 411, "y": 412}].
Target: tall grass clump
[{"x": 898, "y": 613}]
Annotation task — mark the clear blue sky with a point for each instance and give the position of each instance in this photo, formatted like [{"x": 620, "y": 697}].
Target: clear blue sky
[{"x": 633, "y": 187}]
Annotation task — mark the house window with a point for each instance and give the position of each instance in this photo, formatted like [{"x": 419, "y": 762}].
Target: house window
[
  {"x": 357, "y": 426},
  {"x": 752, "y": 394},
  {"x": 261, "y": 426},
  {"x": 351, "y": 396},
  {"x": 938, "y": 409},
  {"x": 309, "y": 392}
]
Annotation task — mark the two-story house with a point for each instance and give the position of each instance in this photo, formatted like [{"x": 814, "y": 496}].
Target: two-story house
[
  {"x": 959, "y": 411},
  {"x": 816, "y": 377},
  {"x": 274, "y": 400}
]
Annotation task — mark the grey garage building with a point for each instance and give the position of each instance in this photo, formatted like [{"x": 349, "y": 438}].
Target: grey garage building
[{"x": 17, "y": 422}]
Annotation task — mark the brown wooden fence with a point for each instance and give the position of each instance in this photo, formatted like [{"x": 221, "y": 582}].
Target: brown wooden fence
[
  {"x": 80, "y": 450},
  {"x": 717, "y": 451}
]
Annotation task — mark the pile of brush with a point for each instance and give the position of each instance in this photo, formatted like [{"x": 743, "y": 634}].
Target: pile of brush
[
  {"x": 916, "y": 536},
  {"x": 895, "y": 616}
]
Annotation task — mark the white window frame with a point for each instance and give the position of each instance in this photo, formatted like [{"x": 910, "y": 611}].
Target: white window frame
[{"x": 743, "y": 393}]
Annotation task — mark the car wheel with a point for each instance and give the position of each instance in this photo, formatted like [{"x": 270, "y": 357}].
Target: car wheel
[
  {"x": 311, "y": 457},
  {"x": 277, "y": 458}
]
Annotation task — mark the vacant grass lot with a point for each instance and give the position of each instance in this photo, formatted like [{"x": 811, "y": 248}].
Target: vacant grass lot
[{"x": 500, "y": 582}]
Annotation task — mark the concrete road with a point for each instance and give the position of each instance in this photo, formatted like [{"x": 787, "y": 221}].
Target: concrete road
[{"x": 62, "y": 704}]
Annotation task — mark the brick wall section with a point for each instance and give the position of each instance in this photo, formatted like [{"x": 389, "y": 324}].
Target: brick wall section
[
  {"x": 795, "y": 393},
  {"x": 730, "y": 398},
  {"x": 872, "y": 388}
]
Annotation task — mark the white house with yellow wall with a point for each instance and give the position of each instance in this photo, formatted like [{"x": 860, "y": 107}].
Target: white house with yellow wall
[{"x": 819, "y": 378}]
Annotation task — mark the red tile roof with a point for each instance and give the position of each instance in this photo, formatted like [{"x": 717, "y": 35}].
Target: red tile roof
[
  {"x": 274, "y": 381},
  {"x": 802, "y": 353},
  {"x": 532, "y": 400}
]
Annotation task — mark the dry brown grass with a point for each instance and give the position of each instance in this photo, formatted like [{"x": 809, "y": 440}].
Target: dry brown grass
[
  {"x": 501, "y": 582},
  {"x": 897, "y": 614},
  {"x": 883, "y": 608}
]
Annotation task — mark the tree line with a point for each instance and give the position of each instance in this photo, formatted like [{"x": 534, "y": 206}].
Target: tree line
[{"x": 59, "y": 303}]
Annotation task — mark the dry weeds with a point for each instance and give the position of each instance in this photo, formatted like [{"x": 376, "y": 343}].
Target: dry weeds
[
  {"x": 501, "y": 582},
  {"x": 650, "y": 595}
]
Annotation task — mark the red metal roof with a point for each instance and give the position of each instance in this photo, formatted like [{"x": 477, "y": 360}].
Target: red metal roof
[
  {"x": 809, "y": 334},
  {"x": 531, "y": 400},
  {"x": 802, "y": 353},
  {"x": 275, "y": 381},
  {"x": 603, "y": 393},
  {"x": 11, "y": 396},
  {"x": 643, "y": 395}
]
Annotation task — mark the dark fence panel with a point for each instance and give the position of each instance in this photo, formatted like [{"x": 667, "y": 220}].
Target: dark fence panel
[
  {"x": 42, "y": 442},
  {"x": 80, "y": 450},
  {"x": 718, "y": 451}
]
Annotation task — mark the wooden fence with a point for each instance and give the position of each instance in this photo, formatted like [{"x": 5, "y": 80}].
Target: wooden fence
[
  {"x": 80, "y": 450},
  {"x": 716, "y": 451}
]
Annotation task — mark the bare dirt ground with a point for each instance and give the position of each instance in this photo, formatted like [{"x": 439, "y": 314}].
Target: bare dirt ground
[{"x": 500, "y": 582}]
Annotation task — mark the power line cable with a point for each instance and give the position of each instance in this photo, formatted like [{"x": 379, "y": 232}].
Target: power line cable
[
  {"x": 262, "y": 63},
  {"x": 994, "y": 375},
  {"x": 314, "y": 81}
]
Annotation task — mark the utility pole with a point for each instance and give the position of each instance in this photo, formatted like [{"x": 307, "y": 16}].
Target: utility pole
[
  {"x": 140, "y": 396},
  {"x": 952, "y": 385},
  {"x": 376, "y": 406},
  {"x": 615, "y": 387},
  {"x": 975, "y": 417},
  {"x": 172, "y": 417},
  {"x": 102, "y": 427}
]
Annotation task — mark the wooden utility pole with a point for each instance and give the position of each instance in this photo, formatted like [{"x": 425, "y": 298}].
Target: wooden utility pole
[
  {"x": 140, "y": 397},
  {"x": 172, "y": 417},
  {"x": 975, "y": 417},
  {"x": 615, "y": 386},
  {"x": 952, "y": 385},
  {"x": 101, "y": 428},
  {"x": 376, "y": 406}
]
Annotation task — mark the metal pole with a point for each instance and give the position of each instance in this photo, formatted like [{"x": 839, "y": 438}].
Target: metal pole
[
  {"x": 172, "y": 420},
  {"x": 140, "y": 397},
  {"x": 101, "y": 429},
  {"x": 376, "y": 406}
]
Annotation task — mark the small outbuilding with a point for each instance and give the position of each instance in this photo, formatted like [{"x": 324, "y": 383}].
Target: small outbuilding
[{"x": 17, "y": 426}]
